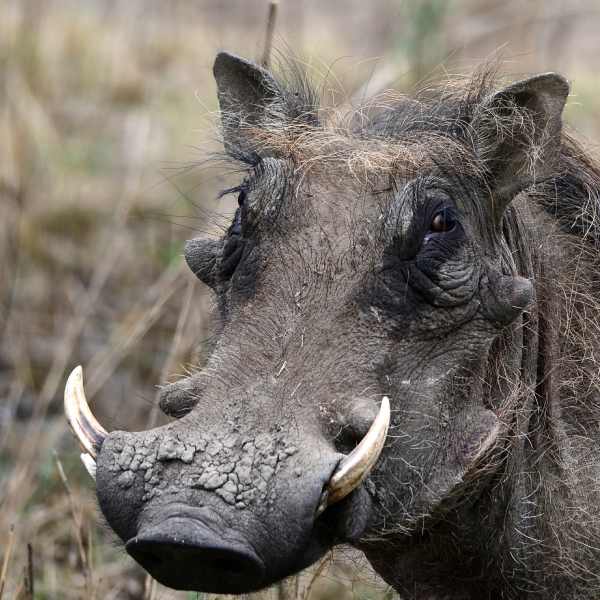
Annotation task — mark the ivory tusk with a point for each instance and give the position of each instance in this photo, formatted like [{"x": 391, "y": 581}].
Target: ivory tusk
[
  {"x": 89, "y": 463},
  {"x": 86, "y": 428},
  {"x": 353, "y": 469}
]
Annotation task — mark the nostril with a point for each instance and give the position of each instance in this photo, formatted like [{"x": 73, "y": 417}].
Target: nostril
[
  {"x": 198, "y": 559},
  {"x": 155, "y": 555},
  {"x": 228, "y": 565},
  {"x": 148, "y": 557}
]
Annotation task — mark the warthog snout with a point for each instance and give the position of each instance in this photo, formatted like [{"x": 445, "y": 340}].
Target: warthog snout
[{"x": 226, "y": 508}]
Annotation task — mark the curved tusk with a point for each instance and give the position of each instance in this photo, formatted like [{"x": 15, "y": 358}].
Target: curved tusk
[
  {"x": 353, "y": 469},
  {"x": 86, "y": 428},
  {"x": 89, "y": 463}
]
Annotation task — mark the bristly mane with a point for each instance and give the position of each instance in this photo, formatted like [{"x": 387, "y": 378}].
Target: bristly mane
[{"x": 394, "y": 133}]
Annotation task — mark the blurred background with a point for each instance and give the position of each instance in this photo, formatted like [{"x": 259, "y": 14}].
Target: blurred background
[{"x": 107, "y": 110}]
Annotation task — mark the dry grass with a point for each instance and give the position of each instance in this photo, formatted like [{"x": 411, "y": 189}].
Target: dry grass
[
  {"x": 101, "y": 106},
  {"x": 98, "y": 116}
]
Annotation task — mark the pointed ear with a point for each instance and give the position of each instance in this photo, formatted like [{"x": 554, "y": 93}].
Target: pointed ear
[
  {"x": 246, "y": 94},
  {"x": 518, "y": 134}
]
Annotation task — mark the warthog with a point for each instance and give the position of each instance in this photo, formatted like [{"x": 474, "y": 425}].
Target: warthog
[{"x": 426, "y": 263}]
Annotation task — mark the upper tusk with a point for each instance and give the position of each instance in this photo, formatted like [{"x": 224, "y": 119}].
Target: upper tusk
[
  {"x": 89, "y": 463},
  {"x": 86, "y": 428},
  {"x": 353, "y": 469}
]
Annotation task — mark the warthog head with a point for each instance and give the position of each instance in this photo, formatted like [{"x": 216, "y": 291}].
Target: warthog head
[{"x": 367, "y": 267}]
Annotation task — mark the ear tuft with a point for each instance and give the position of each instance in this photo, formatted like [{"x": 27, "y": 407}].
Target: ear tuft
[
  {"x": 544, "y": 97},
  {"x": 518, "y": 135}
]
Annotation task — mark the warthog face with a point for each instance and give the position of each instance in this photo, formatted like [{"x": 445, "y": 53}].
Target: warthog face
[{"x": 366, "y": 261}]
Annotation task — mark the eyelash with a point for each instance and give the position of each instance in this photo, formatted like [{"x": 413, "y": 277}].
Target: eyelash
[{"x": 241, "y": 190}]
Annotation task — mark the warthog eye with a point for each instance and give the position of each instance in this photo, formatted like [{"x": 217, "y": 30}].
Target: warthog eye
[
  {"x": 236, "y": 225},
  {"x": 233, "y": 249},
  {"x": 442, "y": 222}
]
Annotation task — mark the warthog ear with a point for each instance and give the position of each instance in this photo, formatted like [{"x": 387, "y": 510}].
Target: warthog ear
[
  {"x": 247, "y": 96},
  {"x": 518, "y": 134}
]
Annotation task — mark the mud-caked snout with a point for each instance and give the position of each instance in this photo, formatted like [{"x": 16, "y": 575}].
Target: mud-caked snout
[
  {"x": 230, "y": 513},
  {"x": 227, "y": 505}
]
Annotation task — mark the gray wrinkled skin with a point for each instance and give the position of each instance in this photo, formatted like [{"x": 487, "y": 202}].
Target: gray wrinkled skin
[
  {"x": 238, "y": 470},
  {"x": 425, "y": 251}
]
